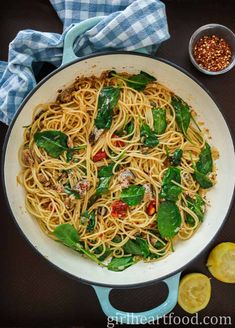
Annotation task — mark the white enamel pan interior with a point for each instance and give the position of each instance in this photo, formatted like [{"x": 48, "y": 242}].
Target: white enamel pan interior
[{"x": 220, "y": 196}]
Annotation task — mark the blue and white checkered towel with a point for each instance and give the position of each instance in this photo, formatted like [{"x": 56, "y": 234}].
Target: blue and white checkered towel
[{"x": 127, "y": 25}]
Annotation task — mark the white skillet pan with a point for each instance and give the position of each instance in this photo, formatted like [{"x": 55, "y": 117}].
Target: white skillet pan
[{"x": 141, "y": 274}]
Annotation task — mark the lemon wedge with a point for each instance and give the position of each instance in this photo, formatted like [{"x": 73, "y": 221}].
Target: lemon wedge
[
  {"x": 194, "y": 292},
  {"x": 221, "y": 262}
]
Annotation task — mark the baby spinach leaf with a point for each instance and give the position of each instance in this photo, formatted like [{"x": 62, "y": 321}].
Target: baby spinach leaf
[
  {"x": 69, "y": 155},
  {"x": 105, "y": 174},
  {"x": 139, "y": 246},
  {"x": 107, "y": 101},
  {"x": 91, "y": 222},
  {"x": 182, "y": 113},
  {"x": 159, "y": 120},
  {"x": 202, "y": 179},
  {"x": 90, "y": 255},
  {"x": 159, "y": 245},
  {"x": 69, "y": 191},
  {"x": 150, "y": 138},
  {"x": 205, "y": 163},
  {"x": 130, "y": 128},
  {"x": 99, "y": 250},
  {"x": 67, "y": 234},
  {"x": 133, "y": 195},
  {"x": 88, "y": 218},
  {"x": 171, "y": 174},
  {"x": 120, "y": 263},
  {"x": 190, "y": 220},
  {"x": 169, "y": 190},
  {"x": 106, "y": 171},
  {"x": 54, "y": 142},
  {"x": 103, "y": 186},
  {"x": 199, "y": 201},
  {"x": 196, "y": 206},
  {"x": 138, "y": 81},
  {"x": 71, "y": 151},
  {"x": 92, "y": 200},
  {"x": 176, "y": 157},
  {"x": 168, "y": 219},
  {"x": 117, "y": 239}
]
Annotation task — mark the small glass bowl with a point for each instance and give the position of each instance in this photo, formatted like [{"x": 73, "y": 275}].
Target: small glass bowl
[{"x": 210, "y": 29}]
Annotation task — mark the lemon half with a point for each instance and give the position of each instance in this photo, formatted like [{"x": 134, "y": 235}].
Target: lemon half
[
  {"x": 221, "y": 262},
  {"x": 194, "y": 292}
]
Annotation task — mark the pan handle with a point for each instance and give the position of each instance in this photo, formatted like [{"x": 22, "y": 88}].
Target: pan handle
[
  {"x": 122, "y": 317},
  {"x": 74, "y": 32}
]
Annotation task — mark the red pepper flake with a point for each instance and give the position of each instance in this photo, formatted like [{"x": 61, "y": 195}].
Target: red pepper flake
[
  {"x": 117, "y": 143},
  {"x": 119, "y": 209},
  {"x": 101, "y": 154},
  {"x": 151, "y": 208},
  {"x": 212, "y": 53}
]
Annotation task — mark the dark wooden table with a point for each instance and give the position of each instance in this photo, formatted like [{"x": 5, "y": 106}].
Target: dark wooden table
[{"x": 32, "y": 292}]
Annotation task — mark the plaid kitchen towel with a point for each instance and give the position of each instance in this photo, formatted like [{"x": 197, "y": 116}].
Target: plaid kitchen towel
[{"x": 127, "y": 25}]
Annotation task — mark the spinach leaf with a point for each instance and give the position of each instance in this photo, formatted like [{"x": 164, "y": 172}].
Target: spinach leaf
[
  {"x": 54, "y": 142},
  {"x": 159, "y": 245},
  {"x": 133, "y": 195},
  {"x": 117, "y": 239},
  {"x": 103, "y": 186},
  {"x": 205, "y": 163},
  {"x": 176, "y": 157},
  {"x": 67, "y": 234},
  {"x": 108, "y": 99},
  {"x": 159, "y": 120},
  {"x": 120, "y": 263},
  {"x": 105, "y": 174},
  {"x": 182, "y": 113},
  {"x": 202, "y": 179},
  {"x": 69, "y": 191},
  {"x": 69, "y": 155},
  {"x": 92, "y": 200},
  {"x": 171, "y": 174},
  {"x": 138, "y": 81},
  {"x": 150, "y": 138},
  {"x": 139, "y": 246},
  {"x": 99, "y": 250},
  {"x": 106, "y": 171},
  {"x": 190, "y": 220},
  {"x": 90, "y": 218},
  {"x": 130, "y": 129},
  {"x": 196, "y": 206},
  {"x": 70, "y": 152},
  {"x": 168, "y": 219},
  {"x": 169, "y": 190}
]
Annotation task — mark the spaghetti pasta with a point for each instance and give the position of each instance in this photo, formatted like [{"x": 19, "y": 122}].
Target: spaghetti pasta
[{"x": 103, "y": 181}]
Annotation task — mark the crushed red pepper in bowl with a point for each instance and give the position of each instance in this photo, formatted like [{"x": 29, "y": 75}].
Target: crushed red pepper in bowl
[
  {"x": 212, "y": 49},
  {"x": 212, "y": 53}
]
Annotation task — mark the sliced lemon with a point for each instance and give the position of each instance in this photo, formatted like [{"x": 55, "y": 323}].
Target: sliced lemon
[
  {"x": 194, "y": 292},
  {"x": 221, "y": 262}
]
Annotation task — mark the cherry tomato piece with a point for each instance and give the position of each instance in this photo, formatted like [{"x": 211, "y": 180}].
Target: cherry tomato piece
[
  {"x": 151, "y": 208},
  {"x": 101, "y": 154},
  {"x": 118, "y": 143},
  {"x": 119, "y": 209}
]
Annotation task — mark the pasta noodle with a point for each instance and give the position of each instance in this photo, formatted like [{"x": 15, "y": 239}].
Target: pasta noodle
[{"x": 63, "y": 189}]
